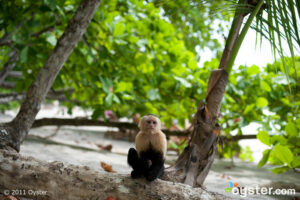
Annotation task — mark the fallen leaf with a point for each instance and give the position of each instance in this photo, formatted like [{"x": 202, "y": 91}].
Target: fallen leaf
[
  {"x": 174, "y": 127},
  {"x": 108, "y": 147},
  {"x": 110, "y": 198},
  {"x": 216, "y": 131},
  {"x": 107, "y": 167},
  {"x": 105, "y": 147}
]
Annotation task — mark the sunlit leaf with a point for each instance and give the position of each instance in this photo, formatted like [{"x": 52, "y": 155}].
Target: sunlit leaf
[
  {"x": 119, "y": 29},
  {"x": 278, "y": 138},
  {"x": 253, "y": 70},
  {"x": 261, "y": 102},
  {"x": 265, "y": 158},
  {"x": 264, "y": 137},
  {"x": 284, "y": 154},
  {"x": 279, "y": 170},
  {"x": 109, "y": 99},
  {"x": 51, "y": 39},
  {"x": 291, "y": 129},
  {"x": 265, "y": 86},
  {"x": 124, "y": 86},
  {"x": 249, "y": 108},
  {"x": 296, "y": 162}
]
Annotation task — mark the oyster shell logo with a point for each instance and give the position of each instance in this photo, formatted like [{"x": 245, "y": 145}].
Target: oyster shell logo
[{"x": 231, "y": 185}]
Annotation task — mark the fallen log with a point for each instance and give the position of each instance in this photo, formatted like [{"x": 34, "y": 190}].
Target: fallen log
[{"x": 30, "y": 178}]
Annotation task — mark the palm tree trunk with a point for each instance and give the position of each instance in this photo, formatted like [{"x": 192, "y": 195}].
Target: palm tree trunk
[
  {"x": 12, "y": 134},
  {"x": 194, "y": 163}
]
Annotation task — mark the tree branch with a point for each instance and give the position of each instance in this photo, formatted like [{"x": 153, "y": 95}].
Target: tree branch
[
  {"x": 7, "y": 85},
  {"x": 6, "y": 98},
  {"x": 15, "y": 74},
  {"x": 81, "y": 122},
  {"x": 46, "y": 29},
  {"x": 11, "y": 63},
  {"x": 4, "y": 41},
  {"x": 121, "y": 125},
  {"x": 53, "y": 95}
]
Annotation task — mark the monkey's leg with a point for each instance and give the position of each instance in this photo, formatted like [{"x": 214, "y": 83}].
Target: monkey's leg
[
  {"x": 134, "y": 161},
  {"x": 132, "y": 158},
  {"x": 157, "y": 168}
]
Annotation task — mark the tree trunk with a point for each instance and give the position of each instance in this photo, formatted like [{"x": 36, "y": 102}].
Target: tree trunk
[
  {"x": 12, "y": 134},
  {"x": 194, "y": 163},
  {"x": 35, "y": 179}
]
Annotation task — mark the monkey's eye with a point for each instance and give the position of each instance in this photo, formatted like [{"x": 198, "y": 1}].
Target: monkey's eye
[{"x": 151, "y": 122}]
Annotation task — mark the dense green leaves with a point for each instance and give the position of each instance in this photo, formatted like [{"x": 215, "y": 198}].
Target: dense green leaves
[
  {"x": 136, "y": 56},
  {"x": 263, "y": 96}
]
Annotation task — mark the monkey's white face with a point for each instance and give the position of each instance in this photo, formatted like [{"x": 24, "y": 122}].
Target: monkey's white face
[{"x": 149, "y": 123}]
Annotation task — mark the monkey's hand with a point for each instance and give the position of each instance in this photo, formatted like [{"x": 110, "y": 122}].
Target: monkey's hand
[{"x": 146, "y": 163}]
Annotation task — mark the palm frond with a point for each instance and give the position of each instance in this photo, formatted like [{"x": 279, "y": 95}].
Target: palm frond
[{"x": 282, "y": 21}]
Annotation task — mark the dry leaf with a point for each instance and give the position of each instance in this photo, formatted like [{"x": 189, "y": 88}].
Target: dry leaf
[
  {"x": 236, "y": 120},
  {"x": 105, "y": 147},
  {"x": 107, "y": 167},
  {"x": 216, "y": 131},
  {"x": 110, "y": 198}
]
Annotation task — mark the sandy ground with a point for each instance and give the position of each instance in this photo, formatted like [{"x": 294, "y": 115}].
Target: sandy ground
[{"x": 244, "y": 173}]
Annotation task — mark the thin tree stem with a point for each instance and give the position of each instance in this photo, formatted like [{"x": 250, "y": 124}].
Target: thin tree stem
[{"x": 242, "y": 36}]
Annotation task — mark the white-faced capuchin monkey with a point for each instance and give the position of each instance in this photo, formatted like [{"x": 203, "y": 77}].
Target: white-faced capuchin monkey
[{"x": 151, "y": 146}]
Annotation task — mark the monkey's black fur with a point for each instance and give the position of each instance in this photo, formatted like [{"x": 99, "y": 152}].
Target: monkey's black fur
[{"x": 150, "y": 164}]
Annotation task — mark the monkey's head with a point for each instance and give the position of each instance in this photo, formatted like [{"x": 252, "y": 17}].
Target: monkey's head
[{"x": 150, "y": 123}]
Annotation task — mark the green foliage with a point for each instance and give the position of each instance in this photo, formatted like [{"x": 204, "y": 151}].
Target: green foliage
[
  {"x": 263, "y": 96},
  {"x": 178, "y": 147},
  {"x": 136, "y": 56},
  {"x": 246, "y": 154}
]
